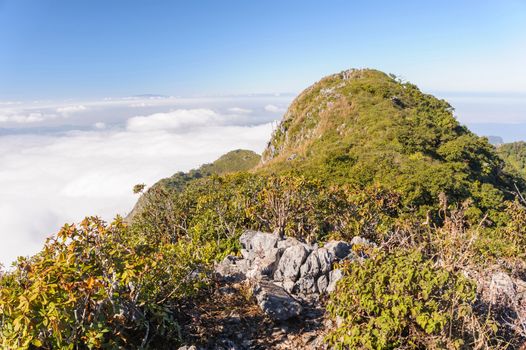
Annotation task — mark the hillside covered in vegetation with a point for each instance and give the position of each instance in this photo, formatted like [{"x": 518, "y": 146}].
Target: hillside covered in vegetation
[
  {"x": 439, "y": 262},
  {"x": 514, "y": 154}
]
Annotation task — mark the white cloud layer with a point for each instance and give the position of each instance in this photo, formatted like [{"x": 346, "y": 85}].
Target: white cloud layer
[
  {"x": 239, "y": 110},
  {"x": 175, "y": 120},
  {"x": 67, "y": 110},
  {"x": 274, "y": 109},
  {"x": 27, "y": 118},
  {"x": 50, "y": 179}
]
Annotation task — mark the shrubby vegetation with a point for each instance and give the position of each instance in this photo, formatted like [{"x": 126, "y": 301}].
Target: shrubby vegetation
[
  {"x": 99, "y": 286},
  {"x": 220, "y": 207},
  {"x": 401, "y": 300},
  {"x": 358, "y": 154},
  {"x": 514, "y": 154}
]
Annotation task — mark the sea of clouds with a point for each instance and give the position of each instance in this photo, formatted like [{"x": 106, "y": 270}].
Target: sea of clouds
[{"x": 62, "y": 161}]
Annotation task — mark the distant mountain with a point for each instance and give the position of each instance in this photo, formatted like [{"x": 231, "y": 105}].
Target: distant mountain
[
  {"x": 231, "y": 162},
  {"x": 495, "y": 140}
]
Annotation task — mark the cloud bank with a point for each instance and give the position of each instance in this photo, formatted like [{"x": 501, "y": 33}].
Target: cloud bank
[{"x": 53, "y": 178}]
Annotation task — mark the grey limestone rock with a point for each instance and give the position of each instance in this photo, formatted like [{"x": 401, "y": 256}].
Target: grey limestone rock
[
  {"x": 290, "y": 263},
  {"x": 334, "y": 276},
  {"x": 231, "y": 269},
  {"x": 322, "y": 283},
  {"x": 275, "y": 301}
]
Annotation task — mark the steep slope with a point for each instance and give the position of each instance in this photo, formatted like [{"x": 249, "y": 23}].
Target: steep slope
[{"x": 365, "y": 127}]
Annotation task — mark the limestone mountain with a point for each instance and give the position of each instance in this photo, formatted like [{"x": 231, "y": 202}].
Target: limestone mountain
[
  {"x": 365, "y": 127},
  {"x": 320, "y": 244}
]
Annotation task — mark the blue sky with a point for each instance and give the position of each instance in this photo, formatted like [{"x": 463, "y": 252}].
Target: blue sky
[{"x": 80, "y": 49}]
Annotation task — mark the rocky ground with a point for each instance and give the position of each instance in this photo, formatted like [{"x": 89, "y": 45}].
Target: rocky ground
[
  {"x": 274, "y": 296},
  {"x": 230, "y": 318}
]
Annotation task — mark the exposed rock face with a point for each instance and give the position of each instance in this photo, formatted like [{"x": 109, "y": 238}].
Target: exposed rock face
[
  {"x": 232, "y": 269},
  {"x": 290, "y": 263},
  {"x": 284, "y": 270},
  {"x": 338, "y": 249},
  {"x": 334, "y": 276},
  {"x": 501, "y": 286}
]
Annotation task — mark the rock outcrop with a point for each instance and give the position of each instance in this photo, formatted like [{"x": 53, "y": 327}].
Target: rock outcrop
[{"x": 285, "y": 271}]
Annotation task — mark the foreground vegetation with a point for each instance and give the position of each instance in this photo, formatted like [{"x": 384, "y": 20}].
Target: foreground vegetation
[{"x": 358, "y": 154}]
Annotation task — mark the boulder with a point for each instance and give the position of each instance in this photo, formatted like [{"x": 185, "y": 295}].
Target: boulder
[
  {"x": 263, "y": 241},
  {"x": 288, "y": 285},
  {"x": 275, "y": 301},
  {"x": 255, "y": 242},
  {"x": 322, "y": 283},
  {"x": 361, "y": 241},
  {"x": 294, "y": 266},
  {"x": 338, "y": 249},
  {"x": 306, "y": 285},
  {"x": 246, "y": 238},
  {"x": 325, "y": 259},
  {"x": 334, "y": 276},
  {"x": 501, "y": 286},
  {"x": 287, "y": 242},
  {"x": 290, "y": 263}
]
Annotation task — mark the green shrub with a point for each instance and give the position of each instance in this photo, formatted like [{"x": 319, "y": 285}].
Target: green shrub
[
  {"x": 220, "y": 207},
  {"x": 400, "y": 300}
]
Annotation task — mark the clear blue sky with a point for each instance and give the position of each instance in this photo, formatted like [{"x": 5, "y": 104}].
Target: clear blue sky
[{"x": 97, "y": 48}]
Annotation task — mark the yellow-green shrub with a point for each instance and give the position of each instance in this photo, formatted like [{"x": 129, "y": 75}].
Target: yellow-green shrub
[{"x": 400, "y": 300}]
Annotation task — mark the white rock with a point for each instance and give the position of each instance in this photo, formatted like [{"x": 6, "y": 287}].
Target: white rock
[
  {"x": 501, "y": 286},
  {"x": 264, "y": 264},
  {"x": 322, "y": 283},
  {"x": 305, "y": 285},
  {"x": 311, "y": 266}
]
